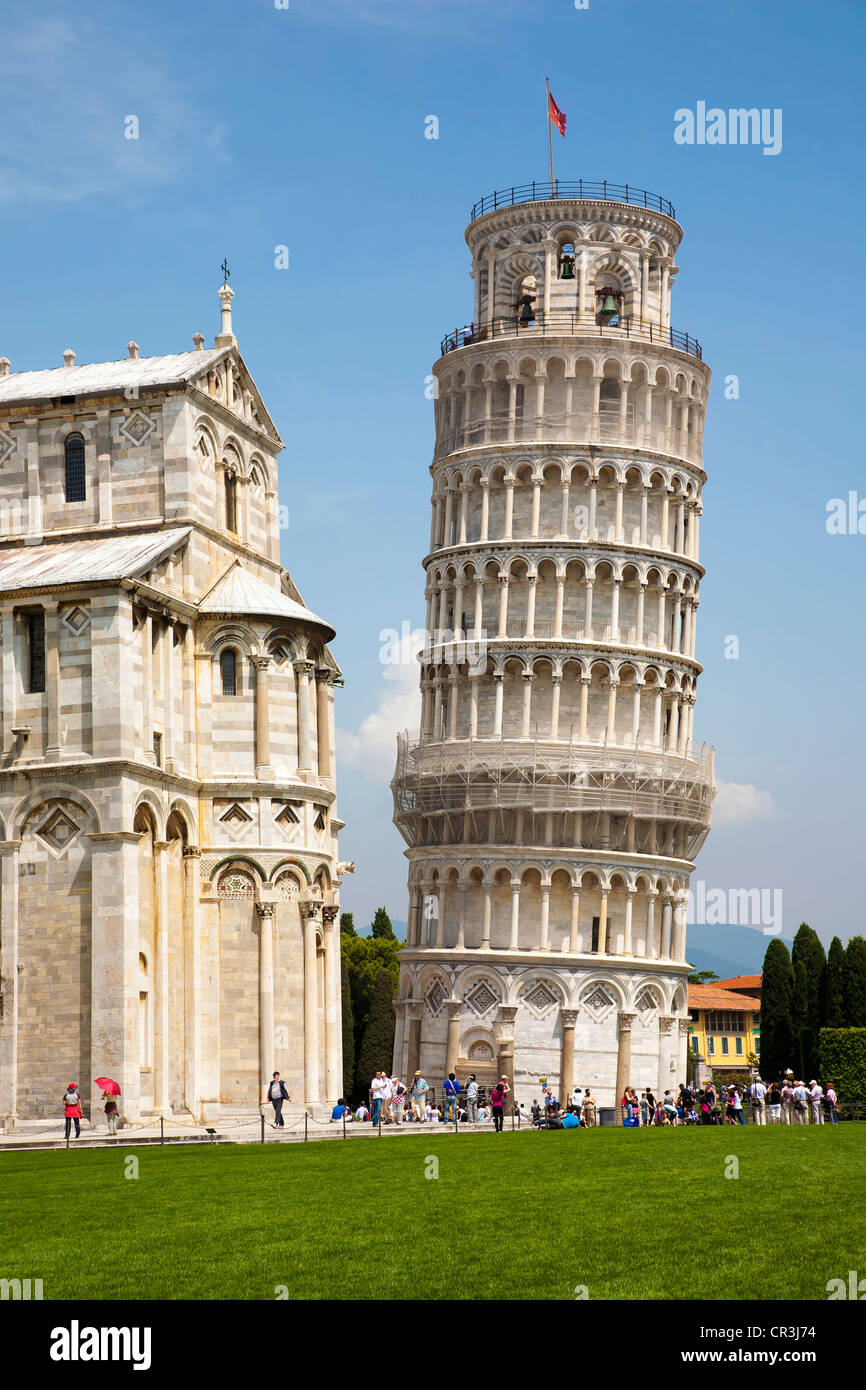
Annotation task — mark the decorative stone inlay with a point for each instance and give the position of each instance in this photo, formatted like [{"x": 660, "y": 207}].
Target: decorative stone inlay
[
  {"x": 288, "y": 887},
  {"x": 646, "y": 1005},
  {"x": 137, "y": 426},
  {"x": 435, "y": 997},
  {"x": 75, "y": 619},
  {"x": 540, "y": 997},
  {"x": 58, "y": 831},
  {"x": 288, "y": 817},
  {"x": 236, "y": 816},
  {"x": 481, "y": 998},
  {"x": 235, "y": 885},
  {"x": 599, "y": 1001},
  {"x": 7, "y": 445}
]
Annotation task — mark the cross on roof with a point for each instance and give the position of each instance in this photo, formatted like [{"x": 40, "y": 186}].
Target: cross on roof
[{"x": 225, "y": 270}]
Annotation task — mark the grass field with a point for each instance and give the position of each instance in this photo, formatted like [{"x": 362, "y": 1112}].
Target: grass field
[{"x": 627, "y": 1214}]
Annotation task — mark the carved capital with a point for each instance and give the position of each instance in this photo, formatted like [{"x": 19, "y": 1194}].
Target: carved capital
[
  {"x": 569, "y": 1017},
  {"x": 329, "y": 914},
  {"x": 625, "y": 1022},
  {"x": 265, "y": 910},
  {"x": 310, "y": 911}
]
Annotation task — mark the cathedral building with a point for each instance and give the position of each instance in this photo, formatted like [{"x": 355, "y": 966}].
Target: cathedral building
[
  {"x": 168, "y": 821},
  {"x": 554, "y": 799}
]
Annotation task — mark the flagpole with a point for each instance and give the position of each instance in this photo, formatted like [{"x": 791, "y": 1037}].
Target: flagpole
[{"x": 550, "y": 136}]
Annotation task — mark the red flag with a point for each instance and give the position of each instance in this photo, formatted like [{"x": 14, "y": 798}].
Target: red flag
[{"x": 555, "y": 115}]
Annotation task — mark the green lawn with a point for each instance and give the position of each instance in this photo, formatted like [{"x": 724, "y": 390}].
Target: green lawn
[{"x": 628, "y": 1214}]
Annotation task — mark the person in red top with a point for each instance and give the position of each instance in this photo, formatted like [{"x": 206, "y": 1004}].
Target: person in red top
[
  {"x": 497, "y": 1101},
  {"x": 72, "y": 1102}
]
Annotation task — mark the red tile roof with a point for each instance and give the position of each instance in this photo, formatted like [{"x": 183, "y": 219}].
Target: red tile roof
[
  {"x": 739, "y": 982},
  {"x": 711, "y": 997}
]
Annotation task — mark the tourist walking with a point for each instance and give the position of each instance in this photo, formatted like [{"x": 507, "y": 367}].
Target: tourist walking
[
  {"x": 739, "y": 1117},
  {"x": 497, "y": 1102},
  {"x": 801, "y": 1104},
  {"x": 452, "y": 1095},
  {"x": 277, "y": 1093},
  {"x": 110, "y": 1108},
  {"x": 398, "y": 1100},
  {"x": 787, "y": 1102},
  {"x": 418, "y": 1092},
  {"x": 832, "y": 1104},
  {"x": 758, "y": 1094},
  {"x": 816, "y": 1096},
  {"x": 380, "y": 1089},
  {"x": 472, "y": 1100},
  {"x": 72, "y": 1103}
]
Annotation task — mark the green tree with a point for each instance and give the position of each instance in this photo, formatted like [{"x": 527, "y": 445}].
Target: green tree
[
  {"x": 808, "y": 949},
  {"x": 381, "y": 928},
  {"x": 808, "y": 952},
  {"x": 377, "y": 1049},
  {"x": 365, "y": 957},
  {"x": 702, "y": 977},
  {"x": 855, "y": 983},
  {"x": 347, "y": 924},
  {"x": 777, "y": 1011},
  {"x": 836, "y": 1014},
  {"x": 801, "y": 1018},
  {"x": 348, "y": 1030}
]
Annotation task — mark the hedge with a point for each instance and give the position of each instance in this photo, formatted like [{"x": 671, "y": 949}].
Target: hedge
[{"x": 842, "y": 1054}]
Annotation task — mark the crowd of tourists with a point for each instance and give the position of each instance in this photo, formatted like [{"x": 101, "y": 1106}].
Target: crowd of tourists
[{"x": 781, "y": 1102}]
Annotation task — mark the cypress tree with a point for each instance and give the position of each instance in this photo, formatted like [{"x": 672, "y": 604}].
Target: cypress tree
[
  {"x": 801, "y": 1019},
  {"x": 835, "y": 1008},
  {"x": 808, "y": 949},
  {"x": 347, "y": 923},
  {"x": 777, "y": 1011},
  {"x": 348, "y": 1030},
  {"x": 381, "y": 927},
  {"x": 377, "y": 1049},
  {"x": 855, "y": 983}
]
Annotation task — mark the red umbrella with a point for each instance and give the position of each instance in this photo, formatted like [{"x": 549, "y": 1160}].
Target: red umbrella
[{"x": 106, "y": 1083}]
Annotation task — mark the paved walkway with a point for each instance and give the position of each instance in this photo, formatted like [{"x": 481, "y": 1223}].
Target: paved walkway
[{"x": 48, "y": 1134}]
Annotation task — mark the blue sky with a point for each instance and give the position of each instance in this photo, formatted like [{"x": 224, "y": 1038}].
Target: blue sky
[{"x": 304, "y": 127}]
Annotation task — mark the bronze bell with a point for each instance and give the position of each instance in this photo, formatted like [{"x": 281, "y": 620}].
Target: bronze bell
[
  {"x": 567, "y": 269},
  {"x": 526, "y": 312},
  {"x": 609, "y": 309}
]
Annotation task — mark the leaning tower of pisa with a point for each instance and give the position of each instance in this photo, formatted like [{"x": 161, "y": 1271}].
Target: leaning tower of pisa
[{"x": 553, "y": 800}]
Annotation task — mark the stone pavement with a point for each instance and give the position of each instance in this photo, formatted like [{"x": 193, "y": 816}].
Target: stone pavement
[{"x": 238, "y": 1129}]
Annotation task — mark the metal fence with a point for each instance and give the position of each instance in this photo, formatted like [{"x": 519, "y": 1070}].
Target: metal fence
[
  {"x": 572, "y": 188},
  {"x": 566, "y": 322}
]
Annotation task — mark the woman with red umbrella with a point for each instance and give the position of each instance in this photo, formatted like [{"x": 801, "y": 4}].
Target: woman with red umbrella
[{"x": 110, "y": 1089}]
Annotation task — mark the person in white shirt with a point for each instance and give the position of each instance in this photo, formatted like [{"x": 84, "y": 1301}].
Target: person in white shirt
[
  {"x": 816, "y": 1095},
  {"x": 832, "y": 1104},
  {"x": 362, "y": 1113},
  {"x": 472, "y": 1100},
  {"x": 380, "y": 1089},
  {"x": 758, "y": 1094},
  {"x": 431, "y": 1114}
]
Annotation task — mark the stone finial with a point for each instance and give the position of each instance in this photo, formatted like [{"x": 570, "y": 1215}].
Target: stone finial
[
  {"x": 226, "y": 336},
  {"x": 69, "y": 358},
  {"x": 198, "y": 341},
  {"x": 132, "y": 349},
  {"x": 5, "y": 364}
]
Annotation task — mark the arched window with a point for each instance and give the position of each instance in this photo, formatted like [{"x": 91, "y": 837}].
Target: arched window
[
  {"x": 76, "y": 490},
  {"x": 231, "y": 503},
  {"x": 228, "y": 671}
]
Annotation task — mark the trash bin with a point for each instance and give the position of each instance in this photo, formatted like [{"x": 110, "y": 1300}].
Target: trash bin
[{"x": 606, "y": 1115}]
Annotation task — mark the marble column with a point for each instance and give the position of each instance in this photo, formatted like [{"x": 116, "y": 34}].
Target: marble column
[
  {"x": 568, "y": 1018},
  {"x": 623, "y": 1061},
  {"x": 192, "y": 978},
  {"x": 310, "y": 913},
  {"x": 453, "y": 1007},
  {"x": 333, "y": 1013},
  {"x": 265, "y": 914},
  {"x": 415, "y": 1010},
  {"x": 9, "y": 980},
  {"x": 503, "y": 1032}
]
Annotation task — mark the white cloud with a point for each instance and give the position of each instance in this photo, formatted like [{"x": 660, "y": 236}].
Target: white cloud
[
  {"x": 67, "y": 91},
  {"x": 737, "y": 802},
  {"x": 373, "y": 749}
]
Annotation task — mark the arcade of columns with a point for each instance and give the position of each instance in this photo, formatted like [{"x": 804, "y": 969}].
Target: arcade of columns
[{"x": 553, "y": 800}]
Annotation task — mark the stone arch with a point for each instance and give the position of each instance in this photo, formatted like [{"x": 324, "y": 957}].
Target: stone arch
[{"x": 53, "y": 791}]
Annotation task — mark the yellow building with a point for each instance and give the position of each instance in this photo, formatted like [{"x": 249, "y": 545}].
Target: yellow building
[{"x": 724, "y": 1030}]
